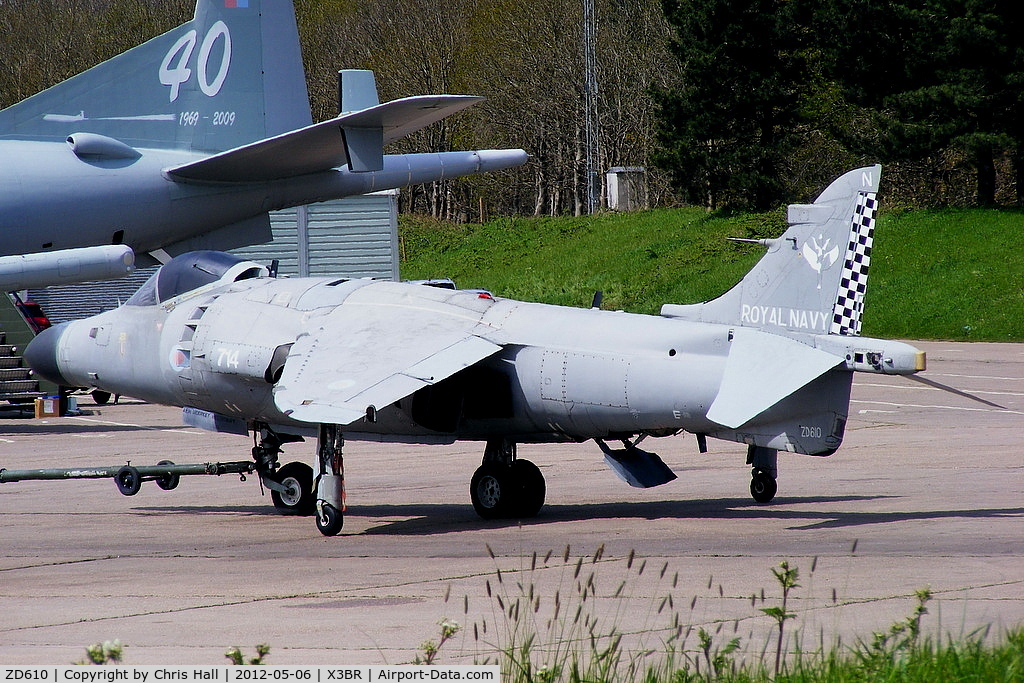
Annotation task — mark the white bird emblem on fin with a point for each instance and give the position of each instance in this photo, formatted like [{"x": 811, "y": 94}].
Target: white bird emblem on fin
[{"x": 819, "y": 256}]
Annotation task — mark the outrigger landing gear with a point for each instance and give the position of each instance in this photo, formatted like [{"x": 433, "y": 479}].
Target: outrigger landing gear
[
  {"x": 291, "y": 486},
  {"x": 330, "y": 483},
  {"x": 505, "y": 486},
  {"x": 764, "y": 462}
]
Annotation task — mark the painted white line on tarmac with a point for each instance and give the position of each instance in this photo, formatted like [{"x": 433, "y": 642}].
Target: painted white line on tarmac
[
  {"x": 177, "y": 430},
  {"x": 921, "y": 387},
  {"x": 938, "y": 407},
  {"x": 961, "y": 376}
]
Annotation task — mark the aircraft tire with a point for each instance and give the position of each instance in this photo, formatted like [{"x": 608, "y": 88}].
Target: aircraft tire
[
  {"x": 168, "y": 482},
  {"x": 490, "y": 490},
  {"x": 763, "y": 487},
  {"x": 329, "y": 520},
  {"x": 528, "y": 489},
  {"x": 128, "y": 480},
  {"x": 300, "y": 500}
]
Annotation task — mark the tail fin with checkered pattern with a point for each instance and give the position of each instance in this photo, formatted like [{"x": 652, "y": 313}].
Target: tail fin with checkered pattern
[{"x": 813, "y": 278}]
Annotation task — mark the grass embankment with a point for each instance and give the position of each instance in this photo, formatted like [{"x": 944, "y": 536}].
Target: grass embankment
[{"x": 950, "y": 274}]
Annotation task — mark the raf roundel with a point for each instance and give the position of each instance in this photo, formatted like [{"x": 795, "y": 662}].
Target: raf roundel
[{"x": 180, "y": 359}]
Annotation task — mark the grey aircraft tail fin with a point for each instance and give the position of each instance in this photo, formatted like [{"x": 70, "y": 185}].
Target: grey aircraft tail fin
[
  {"x": 230, "y": 76},
  {"x": 813, "y": 277}
]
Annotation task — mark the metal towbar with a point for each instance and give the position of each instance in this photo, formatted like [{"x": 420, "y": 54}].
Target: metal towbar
[{"x": 129, "y": 478}]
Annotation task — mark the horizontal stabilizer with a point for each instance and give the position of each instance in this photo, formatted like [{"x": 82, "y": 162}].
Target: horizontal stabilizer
[
  {"x": 322, "y": 146},
  {"x": 639, "y": 468},
  {"x": 761, "y": 370}
]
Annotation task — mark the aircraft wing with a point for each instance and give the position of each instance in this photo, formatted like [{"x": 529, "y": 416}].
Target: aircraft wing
[
  {"x": 326, "y": 145},
  {"x": 404, "y": 117},
  {"x": 362, "y": 356},
  {"x": 761, "y": 370}
]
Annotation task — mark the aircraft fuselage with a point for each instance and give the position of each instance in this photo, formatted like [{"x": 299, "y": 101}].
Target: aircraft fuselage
[
  {"x": 132, "y": 201},
  {"x": 573, "y": 374},
  {"x": 768, "y": 364}
]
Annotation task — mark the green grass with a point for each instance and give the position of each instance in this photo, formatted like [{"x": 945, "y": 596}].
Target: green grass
[
  {"x": 638, "y": 260},
  {"x": 950, "y": 274}
]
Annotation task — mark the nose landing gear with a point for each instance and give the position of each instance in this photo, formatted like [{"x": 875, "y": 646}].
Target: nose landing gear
[
  {"x": 296, "y": 478},
  {"x": 291, "y": 486}
]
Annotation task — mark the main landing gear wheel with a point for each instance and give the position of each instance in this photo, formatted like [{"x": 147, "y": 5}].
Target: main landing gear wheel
[
  {"x": 763, "y": 486},
  {"x": 299, "y": 499},
  {"x": 515, "y": 490},
  {"x": 528, "y": 489},
  {"x": 489, "y": 490},
  {"x": 329, "y": 519}
]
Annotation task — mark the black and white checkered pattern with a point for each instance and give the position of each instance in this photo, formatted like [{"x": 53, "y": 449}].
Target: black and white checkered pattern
[{"x": 846, "y": 316}]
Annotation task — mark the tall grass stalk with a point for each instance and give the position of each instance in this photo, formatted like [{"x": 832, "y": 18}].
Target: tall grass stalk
[
  {"x": 576, "y": 633},
  {"x": 612, "y": 620},
  {"x": 786, "y": 577}
]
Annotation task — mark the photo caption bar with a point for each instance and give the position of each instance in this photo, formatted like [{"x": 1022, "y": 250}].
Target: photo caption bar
[{"x": 152, "y": 673}]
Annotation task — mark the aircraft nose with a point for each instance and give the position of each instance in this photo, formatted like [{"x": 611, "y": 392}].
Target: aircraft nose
[{"x": 41, "y": 354}]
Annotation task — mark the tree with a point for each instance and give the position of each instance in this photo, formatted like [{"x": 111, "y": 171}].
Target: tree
[
  {"x": 526, "y": 58},
  {"x": 727, "y": 129},
  {"x": 924, "y": 76},
  {"x": 413, "y": 47},
  {"x": 47, "y": 41}
]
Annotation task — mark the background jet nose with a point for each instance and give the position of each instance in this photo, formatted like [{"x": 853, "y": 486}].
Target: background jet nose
[{"x": 41, "y": 354}]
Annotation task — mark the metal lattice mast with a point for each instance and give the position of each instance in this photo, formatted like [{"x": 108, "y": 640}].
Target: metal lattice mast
[{"x": 590, "y": 104}]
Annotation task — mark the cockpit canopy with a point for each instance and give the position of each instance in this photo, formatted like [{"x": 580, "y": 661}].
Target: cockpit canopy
[{"x": 193, "y": 270}]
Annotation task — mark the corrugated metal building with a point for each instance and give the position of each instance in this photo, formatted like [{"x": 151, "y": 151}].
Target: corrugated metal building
[{"x": 350, "y": 237}]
